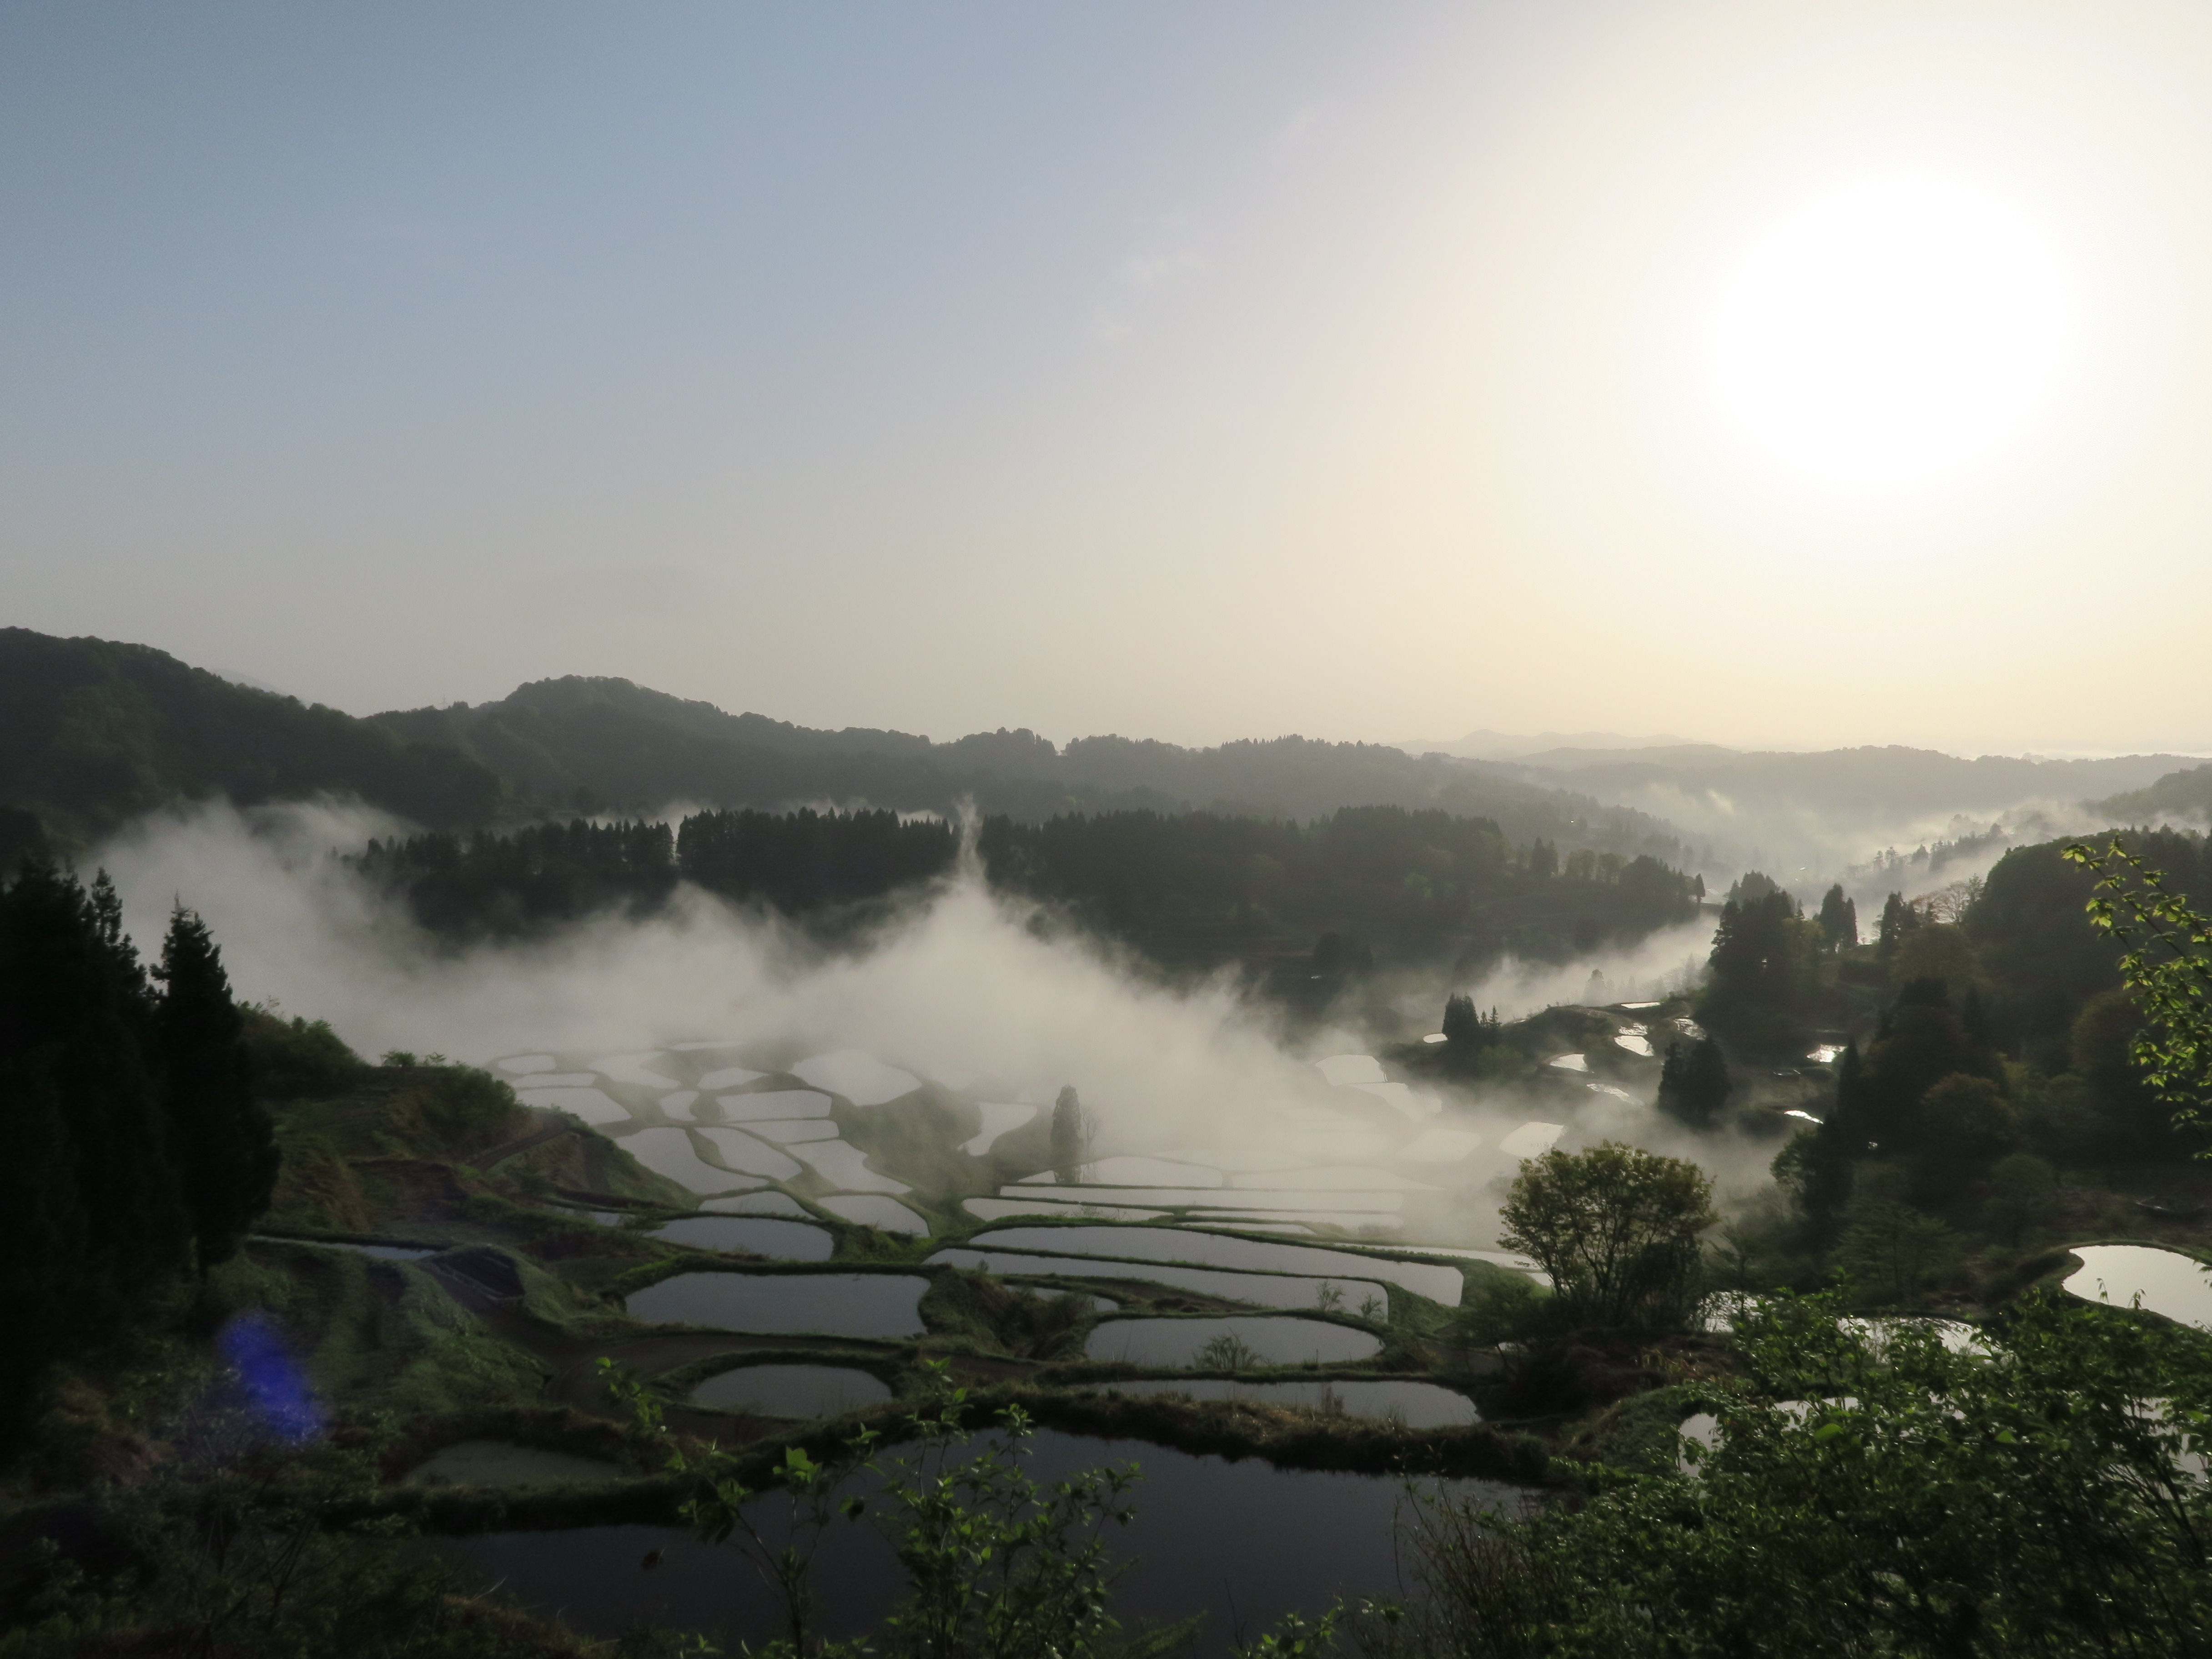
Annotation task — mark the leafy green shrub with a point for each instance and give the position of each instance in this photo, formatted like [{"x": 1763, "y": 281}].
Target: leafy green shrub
[
  {"x": 299, "y": 1059},
  {"x": 461, "y": 1109},
  {"x": 1873, "y": 1493},
  {"x": 1503, "y": 1309},
  {"x": 1616, "y": 1229}
]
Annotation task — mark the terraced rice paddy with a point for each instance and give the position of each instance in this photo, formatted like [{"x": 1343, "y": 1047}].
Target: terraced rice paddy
[
  {"x": 869, "y": 1210},
  {"x": 788, "y": 1241},
  {"x": 1271, "y": 1339},
  {"x": 1415, "y": 1405},
  {"x": 883, "y": 1305},
  {"x": 672, "y": 1152},
  {"x": 2163, "y": 1281},
  {"x": 1261, "y": 1290},
  {"x": 1242, "y": 1543},
  {"x": 1213, "y": 1251},
  {"x": 503, "y": 1463},
  {"x": 791, "y": 1390}
]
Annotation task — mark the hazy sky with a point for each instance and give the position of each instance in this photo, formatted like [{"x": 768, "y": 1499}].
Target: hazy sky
[{"x": 1799, "y": 374}]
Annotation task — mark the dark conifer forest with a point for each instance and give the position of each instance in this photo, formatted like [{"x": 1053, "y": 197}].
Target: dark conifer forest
[{"x": 138, "y": 1155}]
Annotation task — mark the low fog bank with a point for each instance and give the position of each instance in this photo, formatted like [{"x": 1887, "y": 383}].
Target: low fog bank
[
  {"x": 1806, "y": 846},
  {"x": 1668, "y": 961},
  {"x": 959, "y": 988}
]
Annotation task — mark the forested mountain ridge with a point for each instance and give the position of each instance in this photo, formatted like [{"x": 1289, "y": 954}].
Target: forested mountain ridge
[
  {"x": 594, "y": 745},
  {"x": 94, "y": 732},
  {"x": 1891, "y": 776},
  {"x": 2184, "y": 794}
]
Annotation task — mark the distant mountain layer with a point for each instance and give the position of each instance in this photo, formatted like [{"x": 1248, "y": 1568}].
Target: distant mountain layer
[
  {"x": 1505, "y": 745},
  {"x": 2183, "y": 794},
  {"x": 592, "y": 745},
  {"x": 1852, "y": 782},
  {"x": 93, "y": 733}
]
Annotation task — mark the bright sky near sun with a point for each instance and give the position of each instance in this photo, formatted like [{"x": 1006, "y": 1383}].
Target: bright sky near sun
[{"x": 1799, "y": 374}]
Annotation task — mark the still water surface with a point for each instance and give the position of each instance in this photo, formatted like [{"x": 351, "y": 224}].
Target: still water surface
[
  {"x": 826, "y": 1304},
  {"x": 788, "y": 1241},
  {"x": 791, "y": 1390},
  {"x": 2169, "y": 1283},
  {"x": 1278, "y": 1341},
  {"x": 1240, "y": 1543},
  {"x": 1419, "y": 1405},
  {"x": 1214, "y": 1251},
  {"x": 504, "y": 1463}
]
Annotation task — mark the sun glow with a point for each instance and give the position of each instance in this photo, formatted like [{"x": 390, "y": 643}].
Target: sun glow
[{"x": 1889, "y": 330}]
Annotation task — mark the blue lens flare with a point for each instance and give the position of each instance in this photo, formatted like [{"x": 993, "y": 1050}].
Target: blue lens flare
[{"x": 274, "y": 1386}]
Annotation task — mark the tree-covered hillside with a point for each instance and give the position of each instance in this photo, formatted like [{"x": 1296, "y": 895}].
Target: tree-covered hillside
[
  {"x": 1849, "y": 782},
  {"x": 580, "y": 744},
  {"x": 2187, "y": 794},
  {"x": 92, "y": 733},
  {"x": 1193, "y": 889}
]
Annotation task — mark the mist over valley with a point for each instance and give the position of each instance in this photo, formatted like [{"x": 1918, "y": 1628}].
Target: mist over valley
[{"x": 717, "y": 931}]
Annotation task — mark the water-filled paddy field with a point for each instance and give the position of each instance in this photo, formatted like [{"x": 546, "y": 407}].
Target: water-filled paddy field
[
  {"x": 502, "y": 1463},
  {"x": 1262, "y": 1290},
  {"x": 791, "y": 1390},
  {"x": 788, "y": 1241},
  {"x": 1416, "y": 1405},
  {"x": 1217, "y": 1250},
  {"x": 2166, "y": 1281},
  {"x": 1242, "y": 1543},
  {"x": 880, "y": 1305},
  {"x": 1272, "y": 1339}
]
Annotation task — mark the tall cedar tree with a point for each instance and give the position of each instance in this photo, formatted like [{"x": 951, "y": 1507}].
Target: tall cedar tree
[
  {"x": 221, "y": 1139},
  {"x": 1839, "y": 919},
  {"x": 1898, "y": 919},
  {"x": 90, "y": 1220},
  {"x": 1761, "y": 964},
  {"x": 1072, "y": 1134},
  {"x": 1694, "y": 1083}
]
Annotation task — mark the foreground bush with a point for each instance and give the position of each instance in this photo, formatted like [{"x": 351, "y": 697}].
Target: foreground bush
[{"x": 1871, "y": 1492}]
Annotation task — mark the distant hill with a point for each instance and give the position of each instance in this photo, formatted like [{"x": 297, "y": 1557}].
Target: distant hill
[
  {"x": 598, "y": 744},
  {"x": 1893, "y": 778},
  {"x": 1505, "y": 745},
  {"x": 92, "y": 733},
  {"x": 2183, "y": 794},
  {"x": 1805, "y": 817}
]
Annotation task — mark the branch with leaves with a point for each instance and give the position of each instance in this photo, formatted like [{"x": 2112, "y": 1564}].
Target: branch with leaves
[{"x": 2166, "y": 962}]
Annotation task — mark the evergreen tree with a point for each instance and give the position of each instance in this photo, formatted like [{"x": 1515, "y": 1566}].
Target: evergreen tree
[
  {"x": 1543, "y": 858},
  {"x": 1764, "y": 970},
  {"x": 94, "y": 1224},
  {"x": 1898, "y": 919},
  {"x": 1921, "y": 1040},
  {"x": 42, "y": 1214},
  {"x": 1839, "y": 919},
  {"x": 1072, "y": 1134},
  {"x": 1816, "y": 1167},
  {"x": 1752, "y": 886},
  {"x": 223, "y": 1144},
  {"x": 1694, "y": 1085},
  {"x": 1466, "y": 1031}
]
